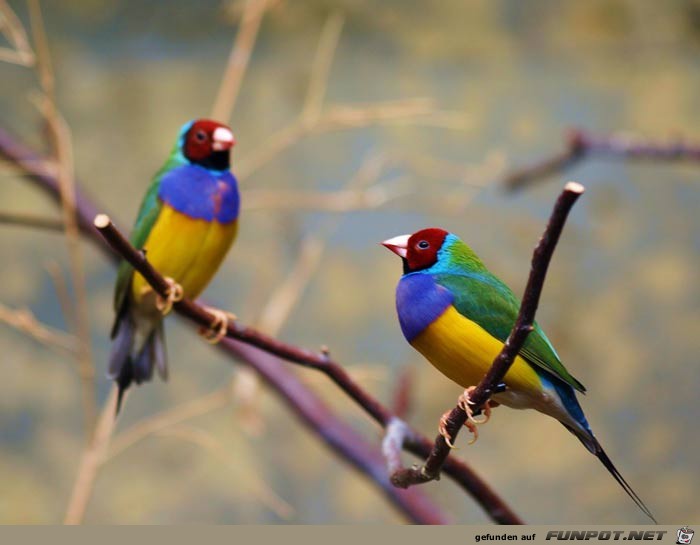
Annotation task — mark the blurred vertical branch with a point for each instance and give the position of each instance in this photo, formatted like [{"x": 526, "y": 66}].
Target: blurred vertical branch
[
  {"x": 60, "y": 140},
  {"x": 238, "y": 59},
  {"x": 90, "y": 462},
  {"x": 321, "y": 67},
  {"x": 10, "y": 26}
]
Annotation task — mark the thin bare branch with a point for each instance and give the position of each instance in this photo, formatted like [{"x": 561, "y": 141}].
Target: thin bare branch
[
  {"x": 309, "y": 257},
  {"x": 60, "y": 284},
  {"x": 23, "y": 320},
  {"x": 343, "y": 200},
  {"x": 170, "y": 417},
  {"x": 238, "y": 59},
  {"x": 314, "y": 118},
  {"x": 11, "y": 27},
  {"x": 90, "y": 462},
  {"x": 580, "y": 145},
  {"x": 61, "y": 144},
  {"x": 288, "y": 292},
  {"x": 31, "y": 220},
  {"x": 246, "y": 479},
  {"x": 320, "y": 70},
  {"x": 336, "y": 118}
]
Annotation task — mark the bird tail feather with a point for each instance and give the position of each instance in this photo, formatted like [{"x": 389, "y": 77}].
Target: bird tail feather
[
  {"x": 592, "y": 444},
  {"x": 132, "y": 360}
]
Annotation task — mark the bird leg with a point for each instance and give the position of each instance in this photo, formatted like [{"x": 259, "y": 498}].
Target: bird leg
[
  {"x": 219, "y": 327},
  {"x": 174, "y": 294}
]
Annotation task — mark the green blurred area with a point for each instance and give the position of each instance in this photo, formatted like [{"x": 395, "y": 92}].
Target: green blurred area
[{"x": 621, "y": 303}]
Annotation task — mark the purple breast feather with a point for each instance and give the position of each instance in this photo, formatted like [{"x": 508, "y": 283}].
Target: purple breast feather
[{"x": 419, "y": 302}]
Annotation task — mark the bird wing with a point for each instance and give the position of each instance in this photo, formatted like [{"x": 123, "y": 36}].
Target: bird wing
[
  {"x": 148, "y": 214},
  {"x": 485, "y": 300}
]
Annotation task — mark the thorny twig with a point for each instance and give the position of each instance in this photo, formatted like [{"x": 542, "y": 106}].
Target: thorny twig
[{"x": 430, "y": 470}]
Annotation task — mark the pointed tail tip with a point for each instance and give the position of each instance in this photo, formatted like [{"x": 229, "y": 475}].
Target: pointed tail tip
[
  {"x": 123, "y": 381},
  {"x": 120, "y": 397},
  {"x": 607, "y": 462}
]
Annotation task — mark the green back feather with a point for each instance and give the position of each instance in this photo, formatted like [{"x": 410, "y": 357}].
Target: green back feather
[
  {"x": 148, "y": 214},
  {"x": 484, "y": 299}
]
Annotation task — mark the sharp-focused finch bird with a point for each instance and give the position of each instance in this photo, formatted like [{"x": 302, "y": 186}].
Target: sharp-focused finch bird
[
  {"x": 458, "y": 315},
  {"x": 186, "y": 224}
]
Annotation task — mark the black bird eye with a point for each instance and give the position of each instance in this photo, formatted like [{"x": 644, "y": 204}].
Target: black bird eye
[
  {"x": 424, "y": 245},
  {"x": 200, "y": 136}
]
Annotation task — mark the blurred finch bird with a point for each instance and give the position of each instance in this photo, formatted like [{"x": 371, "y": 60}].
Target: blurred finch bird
[{"x": 187, "y": 222}]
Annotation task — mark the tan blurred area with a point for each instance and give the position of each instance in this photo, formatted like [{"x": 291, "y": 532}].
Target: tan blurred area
[{"x": 357, "y": 121}]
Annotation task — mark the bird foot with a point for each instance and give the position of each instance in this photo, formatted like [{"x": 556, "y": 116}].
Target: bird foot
[
  {"x": 219, "y": 327},
  {"x": 464, "y": 402},
  {"x": 442, "y": 430},
  {"x": 175, "y": 293}
]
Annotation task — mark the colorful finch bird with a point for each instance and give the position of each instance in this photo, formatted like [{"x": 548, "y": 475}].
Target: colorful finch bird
[
  {"x": 187, "y": 222},
  {"x": 458, "y": 315}
]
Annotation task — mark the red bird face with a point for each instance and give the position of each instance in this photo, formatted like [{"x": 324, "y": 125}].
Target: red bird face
[
  {"x": 208, "y": 143},
  {"x": 419, "y": 250}
]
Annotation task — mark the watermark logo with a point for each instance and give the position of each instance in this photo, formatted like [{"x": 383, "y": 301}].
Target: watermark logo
[{"x": 685, "y": 535}]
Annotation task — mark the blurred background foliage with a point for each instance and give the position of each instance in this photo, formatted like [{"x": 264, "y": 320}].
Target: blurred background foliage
[{"x": 505, "y": 78}]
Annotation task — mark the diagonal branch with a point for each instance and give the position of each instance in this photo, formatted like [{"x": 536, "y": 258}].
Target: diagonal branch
[{"x": 541, "y": 257}]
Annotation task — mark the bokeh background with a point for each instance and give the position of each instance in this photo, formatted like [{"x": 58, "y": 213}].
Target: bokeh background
[{"x": 476, "y": 88}]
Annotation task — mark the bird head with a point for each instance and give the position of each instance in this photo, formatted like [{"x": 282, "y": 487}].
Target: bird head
[
  {"x": 419, "y": 250},
  {"x": 208, "y": 143}
]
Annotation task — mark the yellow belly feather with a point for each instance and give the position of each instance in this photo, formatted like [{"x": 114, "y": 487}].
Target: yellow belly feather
[
  {"x": 185, "y": 249},
  {"x": 464, "y": 351}
]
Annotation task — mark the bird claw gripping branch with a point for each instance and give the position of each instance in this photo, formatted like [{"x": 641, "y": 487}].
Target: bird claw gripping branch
[
  {"x": 219, "y": 327},
  {"x": 465, "y": 403},
  {"x": 174, "y": 294}
]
